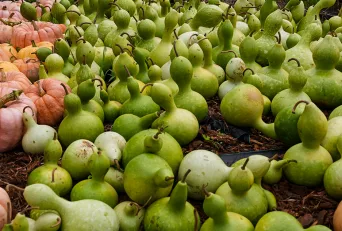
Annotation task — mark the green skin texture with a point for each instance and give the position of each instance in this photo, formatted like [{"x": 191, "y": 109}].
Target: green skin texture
[
  {"x": 128, "y": 125},
  {"x": 146, "y": 30},
  {"x": 91, "y": 35},
  {"x": 128, "y": 217},
  {"x": 298, "y": 11},
  {"x": 105, "y": 27},
  {"x": 331, "y": 138},
  {"x": 325, "y": 81},
  {"x": 104, "y": 57},
  {"x": 292, "y": 40},
  {"x": 170, "y": 151},
  {"x": 302, "y": 51},
  {"x": 138, "y": 104},
  {"x": 140, "y": 178},
  {"x": 86, "y": 215},
  {"x": 47, "y": 222},
  {"x": 178, "y": 122},
  {"x": 275, "y": 172},
  {"x": 114, "y": 177},
  {"x": 54, "y": 65},
  {"x": 314, "y": 159},
  {"x": 243, "y": 106},
  {"x": 111, "y": 109},
  {"x": 140, "y": 55},
  {"x": 336, "y": 112},
  {"x": 266, "y": 41},
  {"x": 248, "y": 52},
  {"x": 76, "y": 156},
  {"x": 85, "y": 49},
  {"x": 278, "y": 221},
  {"x": 172, "y": 213},
  {"x": 251, "y": 204},
  {"x": 208, "y": 16},
  {"x": 181, "y": 72},
  {"x": 203, "y": 81}
]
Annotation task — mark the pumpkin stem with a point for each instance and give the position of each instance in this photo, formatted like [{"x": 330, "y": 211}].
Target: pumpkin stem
[
  {"x": 3, "y": 75},
  {"x": 24, "y": 109},
  {"x": 33, "y": 43},
  {"x": 65, "y": 88},
  {"x": 41, "y": 91},
  {"x": 36, "y": 28},
  {"x": 14, "y": 95}
]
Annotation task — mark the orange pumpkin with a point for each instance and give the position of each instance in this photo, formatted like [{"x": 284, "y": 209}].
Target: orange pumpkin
[
  {"x": 12, "y": 103},
  {"x": 25, "y": 32},
  {"x": 5, "y": 208},
  {"x": 6, "y": 33},
  {"x": 48, "y": 96},
  {"x": 7, "y": 52},
  {"x": 29, "y": 67},
  {"x": 14, "y": 79},
  {"x": 8, "y": 66},
  {"x": 27, "y": 51}
]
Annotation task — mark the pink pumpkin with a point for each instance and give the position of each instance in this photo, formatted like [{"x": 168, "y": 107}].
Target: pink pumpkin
[{"x": 5, "y": 208}]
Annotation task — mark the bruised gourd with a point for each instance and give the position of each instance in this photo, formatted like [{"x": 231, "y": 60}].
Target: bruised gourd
[
  {"x": 76, "y": 215},
  {"x": 50, "y": 174},
  {"x": 96, "y": 188},
  {"x": 313, "y": 160},
  {"x": 178, "y": 122},
  {"x": 130, "y": 215},
  {"x": 72, "y": 126}
]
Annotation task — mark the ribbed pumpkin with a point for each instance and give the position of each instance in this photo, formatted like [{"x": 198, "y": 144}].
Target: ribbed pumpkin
[
  {"x": 5, "y": 208},
  {"x": 8, "y": 66},
  {"x": 24, "y": 33},
  {"x": 12, "y": 104},
  {"x": 48, "y": 96},
  {"x": 14, "y": 79},
  {"x": 26, "y": 52},
  {"x": 10, "y": 5},
  {"x": 6, "y": 33},
  {"x": 29, "y": 67},
  {"x": 7, "y": 52}
]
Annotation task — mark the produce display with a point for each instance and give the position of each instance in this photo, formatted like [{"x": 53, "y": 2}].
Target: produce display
[{"x": 111, "y": 96}]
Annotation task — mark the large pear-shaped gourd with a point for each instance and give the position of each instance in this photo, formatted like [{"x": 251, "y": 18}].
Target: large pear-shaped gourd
[
  {"x": 148, "y": 177},
  {"x": 159, "y": 53},
  {"x": 146, "y": 30},
  {"x": 72, "y": 126},
  {"x": 57, "y": 178},
  {"x": 178, "y": 122},
  {"x": 243, "y": 106},
  {"x": 54, "y": 64},
  {"x": 96, "y": 188},
  {"x": 207, "y": 16},
  {"x": 266, "y": 41},
  {"x": 313, "y": 159},
  {"x": 77, "y": 215},
  {"x": 325, "y": 81},
  {"x": 248, "y": 52},
  {"x": 288, "y": 97}
]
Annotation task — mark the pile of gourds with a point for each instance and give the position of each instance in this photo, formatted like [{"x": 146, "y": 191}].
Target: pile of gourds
[{"x": 162, "y": 62}]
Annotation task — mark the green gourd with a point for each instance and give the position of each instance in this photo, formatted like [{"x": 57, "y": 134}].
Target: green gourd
[
  {"x": 275, "y": 172},
  {"x": 225, "y": 35},
  {"x": 72, "y": 126},
  {"x": 203, "y": 81},
  {"x": 50, "y": 174},
  {"x": 332, "y": 184},
  {"x": 253, "y": 23},
  {"x": 288, "y": 97},
  {"x": 181, "y": 71},
  {"x": 120, "y": 44},
  {"x": 208, "y": 16},
  {"x": 174, "y": 212},
  {"x": 330, "y": 140},
  {"x": 266, "y": 42},
  {"x": 54, "y": 65},
  {"x": 77, "y": 215},
  {"x": 292, "y": 40},
  {"x": 83, "y": 73},
  {"x": 111, "y": 109},
  {"x": 63, "y": 49},
  {"x": 42, "y": 53},
  {"x": 250, "y": 114},
  {"x": 148, "y": 178},
  {"x": 146, "y": 30},
  {"x": 130, "y": 215},
  {"x": 298, "y": 11},
  {"x": 138, "y": 104},
  {"x": 238, "y": 36},
  {"x": 313, "y": 159},
  {"x": 127, "y": 5},
  {"x": 208, "y": 64},
  {"x": 165, "y": 45},
  {"x": 85, "y": 51},
  {"x": 46, "y": 222},
  {"x": 104, "y": 57},
  {"x": 178, "y": 122},
  {"x": 114, "y": 177},
  {"x": 91, "y": 35},
  {"x": 324, "y": 81},
  {"x": 86, "y": 91},
  {"x": 140, "y": 55},
  {"x": 105, "y": 27},
  {"x": 149, "y": 12},
  {"x": 266, "y": 9},
  {"x": 170, "y": 149},
  {"x": 74, "y": 33},
  {"x": 28, "y": 11},
  {"x": 58, "y": 12},
  {"x": 235, "y": 70},
  {"x": 73, "y": 13},
  {"x": 219, "y": 219},
  {"x": 101, "y": 8},
  {"x": 35, "y": 136},
  {"x": 96, "y": 188},
  {"x": 302, "y": 50},
  {"x": 76, "y": 156},
  {"x": 128, "y": 125},
  {"x": 248, "y": 52},
  {"x": 310, "y": 15}
]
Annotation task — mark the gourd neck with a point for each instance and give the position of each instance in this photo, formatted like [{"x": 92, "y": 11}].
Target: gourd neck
[
  {"x": 266, "y": 129},
  {"x": 178, "y": 196}
]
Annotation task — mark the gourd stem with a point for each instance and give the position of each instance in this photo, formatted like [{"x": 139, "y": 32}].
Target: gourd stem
[
  {"x": 191, "y": 38},
  {"x": 122, "y": 51},
  {"x": 84, "y": 41},
  {"x": 53, "y": 175},
  {"x": 228, "y": 51},
  {"x": 202, "y": 39},
  {"x": 41, "y": 91},
  {"x": 59, "y": 220},
  {"x": 295, "y": 106},
  {"x": 178, "y": 8},
  {"x": 243, "y": 167},
  {"x": 117, "y": 165},
  {"x": 174, "y": 32},
  {"x": 135, "y": 19},
  {"x": 131, "y": 45},
  {"x": 97, "y": 79},
  {"x": 169, "y": 178},
  {"x": 174, "y": 48},
  {"x": 273, "y": 158},
  {"x": 186, "y": 175},
  {"x": 129, "y": 74},
  {"x": 136, "y": 205},
  {"x": 129, "y": 52},
  {"x": 14, "y": 95},
  {"x": 83, "y": 23},
  {"x": 78, "y": 32},
  {"x": 65, "y": 89},
  {"x": 73, "y": 11},
  {"x": 146, "y": 203},
  {"x": 248, "y": 69},
  {"x": 206, "y": 193},
  {"x": 146, "y": 85},
  {"x": 297, "y": 61},
  {"x": 30, "y": 108},
  {"x": 188, "y": 19},
  {"x": 143, "y": 12},
  {"x": 279, "y": 38},
  {"x": 129, "y": 36},
  {"x": 196, "y": 219},
  {"x": 114, "y": 4}
]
